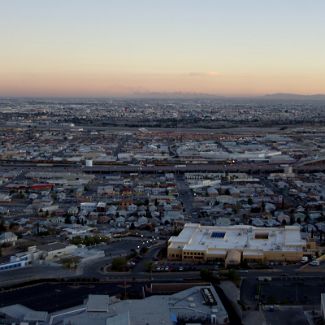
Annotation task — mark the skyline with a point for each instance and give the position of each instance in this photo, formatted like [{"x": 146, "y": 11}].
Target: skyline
[{"x": 226, "y": 48}]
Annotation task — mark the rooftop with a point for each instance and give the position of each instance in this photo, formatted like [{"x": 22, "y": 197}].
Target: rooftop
[
  {"x": 197, "y": 237},
  {"x": 97, "y": 303},
  {"x": 200, "y": 302}
]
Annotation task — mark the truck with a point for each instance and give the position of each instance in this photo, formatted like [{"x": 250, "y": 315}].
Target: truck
[{"x": 304, "y": 259}]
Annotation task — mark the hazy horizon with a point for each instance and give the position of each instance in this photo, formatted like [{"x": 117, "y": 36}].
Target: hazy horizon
[{"x": 83, "y": 48}]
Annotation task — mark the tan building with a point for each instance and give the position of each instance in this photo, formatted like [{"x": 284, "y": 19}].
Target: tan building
[
  {"x": 236, "y": 243},
  {"x": 56, "y": 250}
]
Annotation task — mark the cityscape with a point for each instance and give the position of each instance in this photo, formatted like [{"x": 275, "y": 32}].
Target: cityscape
[{"x": 162, "y": 195}]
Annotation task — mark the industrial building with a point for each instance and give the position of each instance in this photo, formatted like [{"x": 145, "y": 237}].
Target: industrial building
[
  {"x": 233, "y": 244},
  {"x": 199, "y": 304}
]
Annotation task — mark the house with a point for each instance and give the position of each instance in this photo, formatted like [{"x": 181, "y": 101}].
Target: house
[{"x": 8, "y": 238}]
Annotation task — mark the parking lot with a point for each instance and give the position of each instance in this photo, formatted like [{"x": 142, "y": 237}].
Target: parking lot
[
  {"x": 173, "y": 267},
  {"x": 183, "y": 267},
  {"x": 56, "y": 296},
  {"x": 289, "y": 316},
  {"x": 283, "y": 290}
]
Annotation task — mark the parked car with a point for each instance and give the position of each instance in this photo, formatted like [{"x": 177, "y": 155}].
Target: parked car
[
  {"x": 314, "y": 263},
  {"x": 304, "y": 259}
]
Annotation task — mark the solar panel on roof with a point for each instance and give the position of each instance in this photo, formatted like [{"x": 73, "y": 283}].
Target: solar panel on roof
[{"x": 217, "y": 234}]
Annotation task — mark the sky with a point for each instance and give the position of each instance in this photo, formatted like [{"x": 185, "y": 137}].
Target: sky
[{"x": 122, "y": 47}]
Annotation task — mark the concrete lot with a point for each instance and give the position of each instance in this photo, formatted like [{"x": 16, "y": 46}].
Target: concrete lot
[
  {"x": 282, "y": 290},
  {"x": 293, "y": 316}
]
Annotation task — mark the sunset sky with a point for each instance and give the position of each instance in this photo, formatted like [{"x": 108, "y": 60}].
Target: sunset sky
[{"x": 119, "y": 47}]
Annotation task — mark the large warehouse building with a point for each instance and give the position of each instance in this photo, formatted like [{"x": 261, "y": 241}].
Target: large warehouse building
[{"x": 236, "y": 243}]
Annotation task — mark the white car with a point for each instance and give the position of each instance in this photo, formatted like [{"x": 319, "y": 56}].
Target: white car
[
  {"x": 304, "y": 259},
  {"x": 314, "y": 263}
]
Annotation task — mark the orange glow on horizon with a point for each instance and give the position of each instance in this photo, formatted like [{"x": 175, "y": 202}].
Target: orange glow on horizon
[{"x": 194, "y": 82}]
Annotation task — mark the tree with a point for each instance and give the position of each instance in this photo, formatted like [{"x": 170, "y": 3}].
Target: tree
[
  {"x": 67, "y": 219},
  {"x": 77, "y": 240},
  {"x": 206, "y": 275},
  {"x": 143, "y": 250},
  {"x": 13, "y": 225},
  {"x": 148, "y": 266},
  {"x": 132, "y": 226},
  {"x": 119, "y": 264},
  {"x": 54, "y": 196},
  {"x": 233, "y": 276},
  {"x": 2, "y": 226},
  {"x": 20, "y": 195}
]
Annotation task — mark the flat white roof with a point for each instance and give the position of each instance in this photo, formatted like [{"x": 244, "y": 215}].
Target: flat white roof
[{"x": 201, "y": 238}]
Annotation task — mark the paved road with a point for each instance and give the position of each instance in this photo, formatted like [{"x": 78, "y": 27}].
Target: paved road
[
  {"x": 33, "y": 273},
  {"x": 148, "y": 257},
  {"x": 94, "y": 268},
  {"x": 185, "y": 194}
]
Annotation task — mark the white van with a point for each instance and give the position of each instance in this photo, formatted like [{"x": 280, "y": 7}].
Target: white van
[
  {"x": 304, "y": 259},
  {"x": 314, "y": 263}
]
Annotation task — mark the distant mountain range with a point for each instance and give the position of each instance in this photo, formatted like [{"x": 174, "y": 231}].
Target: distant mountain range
[
  {"x": 285, "y": 96},
  {"x": 185, "y": 95},
  {"x": 182, "y": 95}
]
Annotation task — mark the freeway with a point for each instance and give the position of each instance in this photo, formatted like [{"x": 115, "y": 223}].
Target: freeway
[
  {"x": 215, "y": 167},
  {"x": 95, "y": 271},
  {"x": 239, "y": 130},
  {"x": 169, "y": 167},
  {"x": 251, "y": 168}
]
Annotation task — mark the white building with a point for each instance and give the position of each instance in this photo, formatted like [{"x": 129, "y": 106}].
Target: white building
[{"x": 197, "y": 243}]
